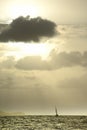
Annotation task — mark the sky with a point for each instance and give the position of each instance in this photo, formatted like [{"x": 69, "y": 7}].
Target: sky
[
  {"x": 43, "y": 56},
  {"x": 61, "y": 11}
]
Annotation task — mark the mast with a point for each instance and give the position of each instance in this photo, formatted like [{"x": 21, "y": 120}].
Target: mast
[{"x": 56, "y": 112}]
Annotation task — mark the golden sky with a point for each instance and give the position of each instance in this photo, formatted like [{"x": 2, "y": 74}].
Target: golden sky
[
  {"x": 61, "y": 11},
  {"x": 43, "y": 60}
]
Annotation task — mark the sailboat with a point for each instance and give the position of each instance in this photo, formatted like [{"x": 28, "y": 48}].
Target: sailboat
[{"x": 56, "y": 112}]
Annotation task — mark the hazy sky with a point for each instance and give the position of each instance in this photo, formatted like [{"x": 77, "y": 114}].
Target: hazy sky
[
  {"x": 61, "y": 11},
  {"x": 43, "y": 61}
]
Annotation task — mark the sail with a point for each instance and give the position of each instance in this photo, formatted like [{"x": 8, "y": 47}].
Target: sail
[{"x": 56, "y": 111}]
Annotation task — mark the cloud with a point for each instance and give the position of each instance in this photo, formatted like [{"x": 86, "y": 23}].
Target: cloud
[
  {"x": 2, "y": 26},
  {"x": 18, "y": 88},
  {"x": 9, "y": 62},
  {"x": 64, "y": 59},
  {"x": 32, "y": 63},
  {"x": 24, "y": 29},
  {"x": 60, "y": 60},
  {"x": 56, "y": 61},
  {"x": 72, "y": 31}
]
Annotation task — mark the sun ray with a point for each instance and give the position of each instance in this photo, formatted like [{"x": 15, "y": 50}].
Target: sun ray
[{"x": 19, "y": 50}]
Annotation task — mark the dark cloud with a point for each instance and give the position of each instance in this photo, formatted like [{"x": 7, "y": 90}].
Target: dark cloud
[
  {"x": 3, "y": 26},
  {"x": 28, "y": 29}
]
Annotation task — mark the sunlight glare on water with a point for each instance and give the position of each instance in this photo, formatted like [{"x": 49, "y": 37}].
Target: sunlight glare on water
[{"x": 43, "y": 123}]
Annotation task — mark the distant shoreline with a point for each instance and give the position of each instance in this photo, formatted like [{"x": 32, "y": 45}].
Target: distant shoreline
[{"x": 43, "y": 115}]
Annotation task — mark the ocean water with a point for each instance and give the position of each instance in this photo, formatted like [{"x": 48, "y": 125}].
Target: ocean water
[{"x": 43, "y": 123}]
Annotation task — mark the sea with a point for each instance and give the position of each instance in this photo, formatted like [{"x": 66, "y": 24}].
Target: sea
[{"x": 46, "y": 122}]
